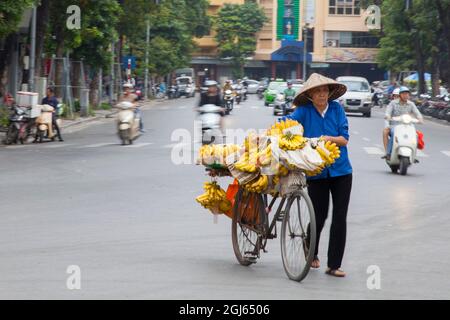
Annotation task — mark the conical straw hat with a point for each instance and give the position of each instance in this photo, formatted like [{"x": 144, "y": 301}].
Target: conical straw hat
[{"x": 316, "y": 80}]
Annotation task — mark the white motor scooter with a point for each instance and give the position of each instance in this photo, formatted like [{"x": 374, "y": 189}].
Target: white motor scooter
[
  {"x": 210, "y": 116},
  {"x": 127, "y": 123},
  {"x": 404, "y": 149}
]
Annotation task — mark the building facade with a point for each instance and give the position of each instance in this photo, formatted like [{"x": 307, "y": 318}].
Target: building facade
[{"x": 334, "y": 33}]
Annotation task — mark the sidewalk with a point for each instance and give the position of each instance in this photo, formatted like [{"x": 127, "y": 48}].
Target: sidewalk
[{"x": 99, "y": 114}]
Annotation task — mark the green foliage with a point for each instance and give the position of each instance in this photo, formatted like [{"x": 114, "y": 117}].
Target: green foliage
[
  {"x": 236, "y": 27},
  {"x": 173, "y": 24},
  {"x": 4, "y": 117},
  {"x": 98, "y": 29},
  {"x": 402, "y": 29},
  {"x": 105, "y": 106},
  {"x": 10, "y": 15}
]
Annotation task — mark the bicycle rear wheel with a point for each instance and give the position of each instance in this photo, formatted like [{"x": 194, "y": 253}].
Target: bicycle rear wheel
[
  {"x": 247, "y": 227},
  {"x": 298, "y": 236}
]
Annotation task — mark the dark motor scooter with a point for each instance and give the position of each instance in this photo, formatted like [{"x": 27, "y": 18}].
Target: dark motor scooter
[{"x": 20, "y": 125}]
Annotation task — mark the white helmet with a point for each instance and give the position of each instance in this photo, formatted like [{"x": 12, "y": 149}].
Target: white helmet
[
  {"x": 128, "y": 85},
  {"x": 396, "y": 91}
]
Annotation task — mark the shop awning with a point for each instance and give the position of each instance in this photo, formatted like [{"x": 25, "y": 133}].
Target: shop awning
[{"x": 290, "y": 51}]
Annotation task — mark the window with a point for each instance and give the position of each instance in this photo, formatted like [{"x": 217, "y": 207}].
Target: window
[
  {"x": 344, "y": 7},
  {"x": 349, "y": 39}
]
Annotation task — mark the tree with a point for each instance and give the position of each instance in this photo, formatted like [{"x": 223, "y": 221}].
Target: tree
[
  {"x": 173, "y": 23},
  {"x": 407, "y": 43},
  {"x": 90, "y": 43},
  {"x": 236, "y": 27},
  {"x": 11, "y": 12}
]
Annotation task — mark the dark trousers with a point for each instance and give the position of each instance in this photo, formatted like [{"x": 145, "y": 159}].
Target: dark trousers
[
  {"x": 319, "y": 192},
  {"x": 55, "y": 125}
]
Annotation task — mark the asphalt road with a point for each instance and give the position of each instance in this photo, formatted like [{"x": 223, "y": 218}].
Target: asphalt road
[{"x": 126, "y": 216}]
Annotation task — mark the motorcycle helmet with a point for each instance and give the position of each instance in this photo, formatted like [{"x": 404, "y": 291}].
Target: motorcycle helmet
[
  {"x": 396, "y": 92},
  {"x": 404, "y": 89},
  {"x": 210, "y": 83},
  {"x": 127, "y": 85}
]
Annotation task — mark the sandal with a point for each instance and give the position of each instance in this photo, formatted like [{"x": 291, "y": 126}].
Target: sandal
[
  {"x": 315, "y": 264},
  {"x": 335, "y": 272}
]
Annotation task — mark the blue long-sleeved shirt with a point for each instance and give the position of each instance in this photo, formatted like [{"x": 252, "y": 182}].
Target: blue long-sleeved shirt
[
  {"x": 334, "y": 124},
  {"x": 52, "y": 101}
]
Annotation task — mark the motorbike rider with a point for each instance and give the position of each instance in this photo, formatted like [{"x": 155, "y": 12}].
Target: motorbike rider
[
  {"x": 289, "y": 92},
  {"x": 130, "y": 96},
  {"x": 399, "y": 107},
  {"x": 227, "y": 86},
  {"x": 51, "y": 100},
  {"x": 387, "y": 128},
  {"x": 212, "y": 95}
]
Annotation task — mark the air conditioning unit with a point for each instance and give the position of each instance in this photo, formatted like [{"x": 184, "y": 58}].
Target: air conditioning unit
[{"x": 332, "y": 43}]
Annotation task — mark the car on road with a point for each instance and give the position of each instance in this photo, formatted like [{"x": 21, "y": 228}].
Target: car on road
[
  {"x": 358, "y": 98},
  {"x": 272, "y": 91},
  {"x": 253, "y": 86}
]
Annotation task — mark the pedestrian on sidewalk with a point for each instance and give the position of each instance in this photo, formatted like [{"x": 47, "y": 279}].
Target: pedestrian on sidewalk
[{"x": 322, "y": 116}]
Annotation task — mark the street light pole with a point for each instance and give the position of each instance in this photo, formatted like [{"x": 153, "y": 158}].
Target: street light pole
[
  {"x": 146, "y": 60},
  {"x": 32, "y": 51},
  {"x": 305, "y": 48}
]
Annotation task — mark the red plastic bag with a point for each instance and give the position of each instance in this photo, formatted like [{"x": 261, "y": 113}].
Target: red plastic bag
[
  {"x": 231, "y": 194},
  {"x": 420, "y": 142}
]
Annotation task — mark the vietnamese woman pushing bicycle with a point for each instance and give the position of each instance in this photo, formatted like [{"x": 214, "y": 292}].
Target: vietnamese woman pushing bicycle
[{"x": 322, "y": 116}]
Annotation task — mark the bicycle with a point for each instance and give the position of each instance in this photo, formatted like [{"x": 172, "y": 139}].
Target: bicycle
[{"x": 250, "y": 232}]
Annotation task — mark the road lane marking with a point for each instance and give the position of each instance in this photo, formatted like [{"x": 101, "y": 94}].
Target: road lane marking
[
  {"x": 422, "y": 154},
  {"x": 374, "y": 151},
  {"x": 139, "y": 145},
  {"x": 175, "y": 145},
  {"x": 447, "y": 153},
  {"x": 255, "y": 107},
  {"x": 98, "y": 145},
  {"x": 58, "y": 146}
]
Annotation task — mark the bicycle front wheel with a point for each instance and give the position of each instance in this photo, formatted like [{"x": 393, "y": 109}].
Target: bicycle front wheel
[{"x": 298, "y": 236}]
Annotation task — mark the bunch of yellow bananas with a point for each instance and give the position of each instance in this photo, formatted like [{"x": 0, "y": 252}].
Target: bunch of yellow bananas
[
  {"x": 278, "y": 127},
  {"x": 292, "y": 142},
  {"x": 282, "y": 170},
  {"x": 217, "y": 152},
  {"x": 214, "y": 198},
  {"x": 247, "y": 163},
  {"x": 315, "y": 172},
  {"x": 328, "y": 151},
  {"x": 265, "y": 156},
  {"x": 258, "y": 185}
]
